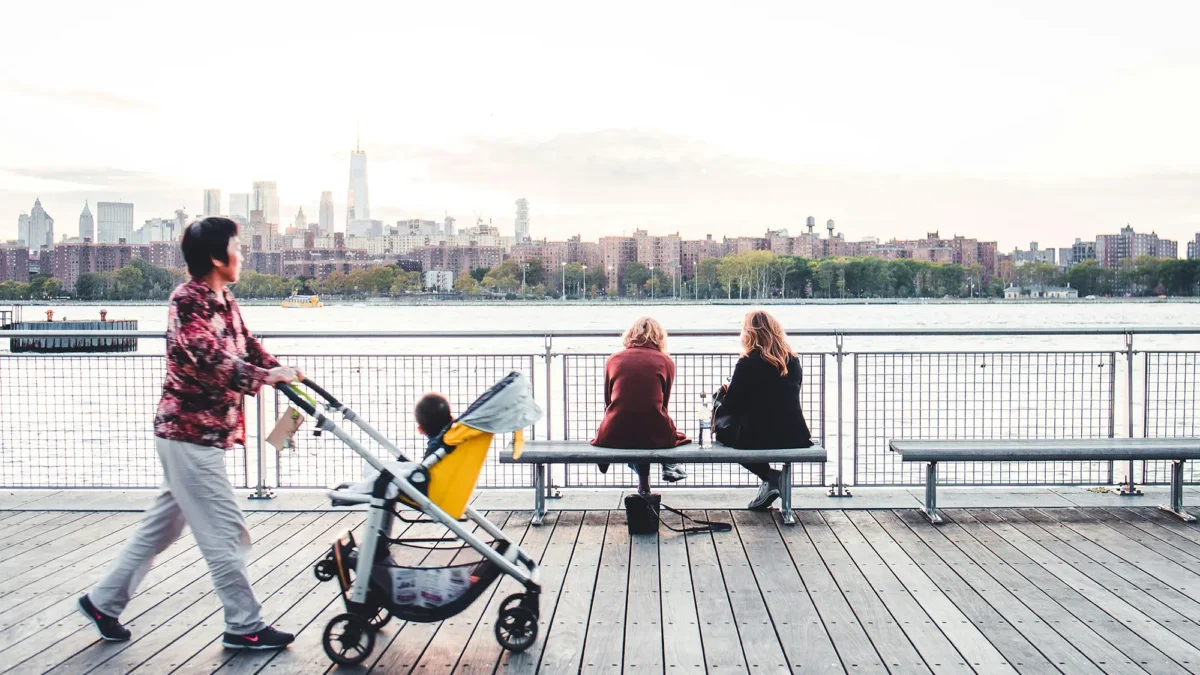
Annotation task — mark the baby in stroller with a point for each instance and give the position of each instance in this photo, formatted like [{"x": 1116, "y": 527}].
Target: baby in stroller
[{"x": 374, "y": 586}]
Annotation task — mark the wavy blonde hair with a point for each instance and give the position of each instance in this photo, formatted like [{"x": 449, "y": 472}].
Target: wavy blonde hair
[
  {"x": 646, "y": 332},
  {"x": 763, "y": 332}
]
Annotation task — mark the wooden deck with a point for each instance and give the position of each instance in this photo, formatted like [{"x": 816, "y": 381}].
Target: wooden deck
[{"x": 1005, "y": 590}]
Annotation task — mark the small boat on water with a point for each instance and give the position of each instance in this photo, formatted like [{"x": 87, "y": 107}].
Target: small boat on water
[{"x": 302, "y": 302}]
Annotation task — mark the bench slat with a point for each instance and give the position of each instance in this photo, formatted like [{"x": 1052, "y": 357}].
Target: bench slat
[
  {"x": 582, "y": 452},
  {"x": 1094, "y": 449}
]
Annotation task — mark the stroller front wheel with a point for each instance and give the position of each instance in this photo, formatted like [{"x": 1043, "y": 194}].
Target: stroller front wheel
[
  {"x": 348, "y": 639},
  {"x": 382, "y": 616},
  {"x": 516, "y": 629},
  {"x": 325, "y": 570}
]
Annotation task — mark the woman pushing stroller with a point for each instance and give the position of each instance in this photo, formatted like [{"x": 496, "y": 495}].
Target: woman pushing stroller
[{"x": 212, "y": 361}]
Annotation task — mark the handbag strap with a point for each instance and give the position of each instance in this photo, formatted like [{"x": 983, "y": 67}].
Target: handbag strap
[{"x": 701, "y": 525}]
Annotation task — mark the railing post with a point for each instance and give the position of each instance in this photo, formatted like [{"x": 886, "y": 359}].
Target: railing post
[
  {"x": 1129, "y": 489},
  {"x": 838, "y": 489},
  {"x": 261, "y": 491},
  {"x": 547, "y": 487}
]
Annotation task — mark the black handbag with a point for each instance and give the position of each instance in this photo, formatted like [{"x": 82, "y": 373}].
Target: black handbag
[
  {"x": 641, "y": 516},
  {"x": 722, "y": 423}
]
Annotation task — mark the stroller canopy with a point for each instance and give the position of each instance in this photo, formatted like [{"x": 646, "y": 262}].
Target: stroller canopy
[{"x": 507, "y": 407}]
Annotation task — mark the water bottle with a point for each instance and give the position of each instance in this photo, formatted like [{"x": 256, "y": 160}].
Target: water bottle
[{"x": 704, "y": 417}]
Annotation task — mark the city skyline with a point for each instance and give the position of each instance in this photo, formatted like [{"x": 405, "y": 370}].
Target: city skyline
[{"x": 896, "y": 120}]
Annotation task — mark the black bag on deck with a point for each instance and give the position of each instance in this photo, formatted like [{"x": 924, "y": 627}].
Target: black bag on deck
[{"x": 641, "y": 516}]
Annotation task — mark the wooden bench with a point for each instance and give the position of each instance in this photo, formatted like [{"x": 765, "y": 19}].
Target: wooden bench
[
  {"x": 541, "y": 453},
  {"x": 1176, "y": 450}
]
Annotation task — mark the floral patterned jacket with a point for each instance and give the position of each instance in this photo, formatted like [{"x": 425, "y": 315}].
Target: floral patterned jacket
[{"x": 212, "y": 361}]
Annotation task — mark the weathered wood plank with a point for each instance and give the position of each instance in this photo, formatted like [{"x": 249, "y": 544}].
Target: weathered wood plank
[
  {"x": 1159, "y": 564},
  {"x": 1107, "y": 601},
  {"x": 1081, "y": 611},
  {"x": 155, "y": 603},
  {"x": 482, "y": 651},
  {"x": 46, "y": 558},
  {"x": 683, "y": 652},
  {"x": 988, "y": 574},
  {"x": 43, "y": 544},
  {"x": 886, "y": 565},
  {"x": 194, "y": 614},
  {"x": 643, "y": 638},
  {"x": 718, "y": 626},
  {"x": 888, "y": 633},
  {"x": 1153, "y": 522},
  {"x": 603, "y": 648},
  {"x": 301, "y": 619},
  {"x": 996, "y": 616},
  {"x": 562, "y": 651},
  {"x": 1156, "y": 600},
  {"x": 60, "y": 630},
  {"x": 833, "y": 613},
  {"x": 556, "y": 563},
  {"x": 42, "y": 521},
  {"x": 760, "y": 643},
  {"x": 277, "y": 590}
]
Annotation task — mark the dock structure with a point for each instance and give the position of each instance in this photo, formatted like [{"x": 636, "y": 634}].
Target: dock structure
[{"x": 993, "y": 590}]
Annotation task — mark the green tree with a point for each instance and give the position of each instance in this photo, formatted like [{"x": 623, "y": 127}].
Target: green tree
[
  {"x": 597, "y": 280},
  {"x": 14, "y": 290},
  {"x": 575, "y": 276},
  {"x": 465, "y": 283},
  {"x": 708, "y": 276},
  {"x": 91, "y": 286},
  {"x": 634, "y": 275},
  {"x": 129, "y": 284},
  {"x": 479, "y": 273},
  {"x": 1090, "y": 278}
]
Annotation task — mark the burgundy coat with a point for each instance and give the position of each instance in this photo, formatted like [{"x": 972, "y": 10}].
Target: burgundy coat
[{"x": 637, "y": 389}]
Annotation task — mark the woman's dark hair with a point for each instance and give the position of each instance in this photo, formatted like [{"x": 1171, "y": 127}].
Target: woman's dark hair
[{"x": 207, "y": 240}]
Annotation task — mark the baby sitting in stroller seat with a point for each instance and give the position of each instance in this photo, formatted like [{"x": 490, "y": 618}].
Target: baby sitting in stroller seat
[{"x": 433, "y": 417}]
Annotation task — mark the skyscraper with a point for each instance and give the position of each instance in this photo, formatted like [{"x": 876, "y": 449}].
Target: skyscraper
[
  {"x": 87, "y": 224},
  {"x": 301, "y": 222},
  {"x": 325, "y": 216},
  {"x": 114, "y": 222},
  {"x": 358, "y": 203},
  {"x": 266, "y": 199},
  {"x": 522, "y": 223},
  {"x": 239, "y": 205},
  {"x": 212, "y": 202},
  {"x": 36, "y": 229}
]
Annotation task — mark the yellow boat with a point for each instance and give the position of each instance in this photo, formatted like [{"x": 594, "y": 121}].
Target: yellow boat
[{"x": 302, "y": 301}]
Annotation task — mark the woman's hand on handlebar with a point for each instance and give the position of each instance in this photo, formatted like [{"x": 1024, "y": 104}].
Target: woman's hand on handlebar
[{"x": 283, "y": 374}]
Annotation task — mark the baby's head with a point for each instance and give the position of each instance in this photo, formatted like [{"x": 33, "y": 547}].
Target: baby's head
[{"x": 433, "y": 414}]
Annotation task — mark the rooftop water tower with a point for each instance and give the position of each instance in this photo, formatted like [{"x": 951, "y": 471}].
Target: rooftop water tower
[
  {"x": 812, "y": 223},
  {"x": 829, "y": 226}
]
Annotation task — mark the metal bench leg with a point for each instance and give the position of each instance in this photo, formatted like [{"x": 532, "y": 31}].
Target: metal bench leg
[
  {"x": 539, "y": 493},
  {"x": 785, "y": 494},
  {"x": 1176, "y": 507},
  {"x": 930, "y": 510}
]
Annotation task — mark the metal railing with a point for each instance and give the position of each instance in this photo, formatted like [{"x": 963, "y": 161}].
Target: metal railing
[{"x": 86, "y": 421}]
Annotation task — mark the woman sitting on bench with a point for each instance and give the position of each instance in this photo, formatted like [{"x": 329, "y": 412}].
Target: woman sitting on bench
[
  {"x": 761, "y": 408},
  {"x": 637, "y": 389}
]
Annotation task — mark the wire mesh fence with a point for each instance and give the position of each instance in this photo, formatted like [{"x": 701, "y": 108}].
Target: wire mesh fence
[
  {"x": 583, "y": 410},
  {"x": 383, "y": 389},
  {"x": 981, "y": 395},
  {"x": 1172, "y": 407},
  {"x": 84, "y": 421}
]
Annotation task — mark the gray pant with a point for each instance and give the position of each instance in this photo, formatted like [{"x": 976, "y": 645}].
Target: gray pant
[{"x": 195, "y": 492}]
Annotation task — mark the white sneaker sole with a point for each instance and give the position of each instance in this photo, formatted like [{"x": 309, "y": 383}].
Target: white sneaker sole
[{"x": 254, "y": 647}]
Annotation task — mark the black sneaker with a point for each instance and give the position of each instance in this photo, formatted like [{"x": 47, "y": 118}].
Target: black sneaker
[
  {"x": 768, "y": 492},
  {"x": 109, "y": 627},
  {"x": 267, "y": 638}
]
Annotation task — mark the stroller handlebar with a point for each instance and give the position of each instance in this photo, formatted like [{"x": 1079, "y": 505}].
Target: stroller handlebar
[
  {"x": 321, "y": 392},
  {"x": 296, "y": 398}
]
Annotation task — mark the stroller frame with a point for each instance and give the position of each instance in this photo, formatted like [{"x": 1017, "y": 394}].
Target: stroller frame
[{"x": 514, "y": 561}]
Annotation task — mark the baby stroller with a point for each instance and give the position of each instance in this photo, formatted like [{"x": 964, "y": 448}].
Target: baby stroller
[{"x": 373, "y": 586}]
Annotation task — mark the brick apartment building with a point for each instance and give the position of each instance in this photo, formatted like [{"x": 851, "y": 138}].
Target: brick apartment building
[{"x": 14, "y": 263}]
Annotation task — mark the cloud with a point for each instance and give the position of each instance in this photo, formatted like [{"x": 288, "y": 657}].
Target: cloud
[
  {"x": 78, "y": 96},
  {"x": 94, "y": 176}
]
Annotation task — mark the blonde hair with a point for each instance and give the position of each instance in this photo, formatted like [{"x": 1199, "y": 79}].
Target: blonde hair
[
  {"x": 646, "y": 332},
  {"x": 763, "y": 332}
]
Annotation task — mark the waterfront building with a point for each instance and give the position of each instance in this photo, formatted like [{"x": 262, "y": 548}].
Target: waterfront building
[
  {"x": 14, "y": 263},
  {"x": 1193, "y": 248},
  {"x": 615, "y": 252},
  {"x": 1112, "y": 250},
  {"x": 114, "y": 222},
  {"x": 1040, "y": 292}
]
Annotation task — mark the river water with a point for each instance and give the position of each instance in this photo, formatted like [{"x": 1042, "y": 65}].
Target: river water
[{"x": 86, "y": 420}]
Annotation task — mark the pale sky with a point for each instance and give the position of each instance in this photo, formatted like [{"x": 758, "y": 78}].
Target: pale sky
[{"x": 1013, "y": 120}]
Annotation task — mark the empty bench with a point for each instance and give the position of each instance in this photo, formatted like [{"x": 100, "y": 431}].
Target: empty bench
[
  {"x": 541, "y": 453},
  {"x": 1175, "y": 450}
]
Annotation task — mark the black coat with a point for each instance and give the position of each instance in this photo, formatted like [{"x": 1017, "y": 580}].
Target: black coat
[{"x": 761, "y": 409}]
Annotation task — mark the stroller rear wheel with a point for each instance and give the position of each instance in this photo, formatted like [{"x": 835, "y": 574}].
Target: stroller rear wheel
[
  {"x": 348, "y": 639},
  {"x": 516, "y": 629}
]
